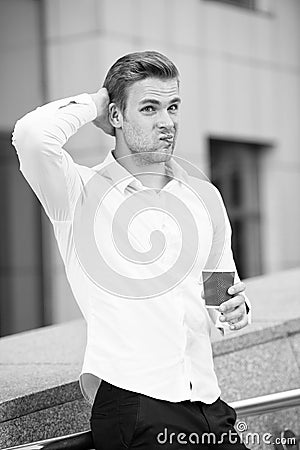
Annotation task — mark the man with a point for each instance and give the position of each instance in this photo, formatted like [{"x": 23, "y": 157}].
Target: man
[{"x": 134, "y": 233}]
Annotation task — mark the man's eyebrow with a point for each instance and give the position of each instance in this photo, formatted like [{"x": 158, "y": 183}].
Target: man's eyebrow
[
  {"x": 149, "y": 100},
  {"x": 157, "y": 102},
  {"x": 176, "y": 100}
]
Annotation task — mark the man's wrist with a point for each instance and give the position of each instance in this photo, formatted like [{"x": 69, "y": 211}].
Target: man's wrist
[{"x": 95, "y": 99}]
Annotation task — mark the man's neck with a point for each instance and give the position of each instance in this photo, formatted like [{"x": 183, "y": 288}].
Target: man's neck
[{"x": 150, "y": 175}]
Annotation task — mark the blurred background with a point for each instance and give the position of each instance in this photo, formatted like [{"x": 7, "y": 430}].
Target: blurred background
[{"x": 240, "y": 82}]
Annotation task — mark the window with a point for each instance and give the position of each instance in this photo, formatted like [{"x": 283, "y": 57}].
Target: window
[
  {"x": 254, "y": 5},
  {"x": 235, "y": 172},
  {"x": 250, "y": 4}
]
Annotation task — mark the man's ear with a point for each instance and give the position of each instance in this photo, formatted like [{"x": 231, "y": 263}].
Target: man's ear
[{"x": 115, "y": 116}]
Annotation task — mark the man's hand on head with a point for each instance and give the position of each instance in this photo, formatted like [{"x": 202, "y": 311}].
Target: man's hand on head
[
  {"x": 101, "y": 100},
  {"x": 234, "y": 310}
]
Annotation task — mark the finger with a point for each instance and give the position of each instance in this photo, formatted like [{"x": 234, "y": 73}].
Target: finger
[
  {"x": 236, "y": 288},
  {"x": 202, "y": 295},
  {"x": 238, "y": 319},
  {"x": 241, "y": 324},
  {"x": 234, "y": 315},
  {"x": 232, "y": 303}
]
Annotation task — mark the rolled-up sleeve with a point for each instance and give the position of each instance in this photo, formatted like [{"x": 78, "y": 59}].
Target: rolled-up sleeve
[{"x": 39, "y": 138}]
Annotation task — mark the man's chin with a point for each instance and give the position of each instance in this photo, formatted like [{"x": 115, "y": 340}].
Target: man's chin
[
  {"x": 154, "y": 157},
  {"x": 164, "y": 153}
]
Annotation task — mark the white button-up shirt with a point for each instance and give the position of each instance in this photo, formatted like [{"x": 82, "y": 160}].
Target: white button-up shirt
[{"x": 133, "y": 257}]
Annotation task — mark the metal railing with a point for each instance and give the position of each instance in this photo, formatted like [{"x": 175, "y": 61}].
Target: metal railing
[
  {"x": 267, "y": 403},
  {"x": 248, "y": 407}
]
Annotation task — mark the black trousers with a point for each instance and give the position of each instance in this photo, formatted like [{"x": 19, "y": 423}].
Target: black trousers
[{"x": 123, "y": 419}]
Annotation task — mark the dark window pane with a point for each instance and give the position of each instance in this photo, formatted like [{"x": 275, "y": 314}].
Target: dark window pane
[
  {"x": 235, "y": 172},
  {"x": 249, "y": 4},
  {"x": 236, "y": 188},
  {"x": 238, "y": 247},
  {"x": 21, "y": 280}
]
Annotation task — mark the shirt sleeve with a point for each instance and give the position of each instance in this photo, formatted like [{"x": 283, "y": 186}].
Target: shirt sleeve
[
  {"x": 39, "y": 138},
  {"x": 221, "y": 256}
]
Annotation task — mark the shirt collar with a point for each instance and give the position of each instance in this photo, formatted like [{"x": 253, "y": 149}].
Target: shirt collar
[{"x": 122, "y": 178}]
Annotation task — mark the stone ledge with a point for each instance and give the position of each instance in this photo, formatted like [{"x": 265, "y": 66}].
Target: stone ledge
[
  {"x": 35, "y": 386},
  {"x": 256, "y": 335},
  {"x": 39, "y": 401},
  {"x": 60, "y": 420},
  {"x": 40, "y": 368}
]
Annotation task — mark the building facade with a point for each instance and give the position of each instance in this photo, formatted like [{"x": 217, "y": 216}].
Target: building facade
[{"x": 239, "y": 62}]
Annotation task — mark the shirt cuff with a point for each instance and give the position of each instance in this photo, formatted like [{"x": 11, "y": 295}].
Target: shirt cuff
[{"x": 223, "y": 327}]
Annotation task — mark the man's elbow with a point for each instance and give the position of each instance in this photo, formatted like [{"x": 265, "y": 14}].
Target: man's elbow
[{"x": 26, "y": 136}]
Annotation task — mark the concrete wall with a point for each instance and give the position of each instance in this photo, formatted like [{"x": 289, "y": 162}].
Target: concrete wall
[{"x": 20, "y": 68}]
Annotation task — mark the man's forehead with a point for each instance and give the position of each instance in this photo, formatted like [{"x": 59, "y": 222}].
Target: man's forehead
[{"x": 153, "y": 88}]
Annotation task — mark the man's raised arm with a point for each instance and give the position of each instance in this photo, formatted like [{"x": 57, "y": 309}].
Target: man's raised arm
[{"x": 39, "y": 138}]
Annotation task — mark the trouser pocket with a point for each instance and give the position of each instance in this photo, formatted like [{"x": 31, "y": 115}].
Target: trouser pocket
[
  {"x": 128, "y": 414},
  {"x": 105, "y": 402},
  {"x": 114, "y": 417}
]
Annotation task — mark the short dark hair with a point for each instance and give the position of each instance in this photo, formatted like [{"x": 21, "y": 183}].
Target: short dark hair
[{"x": 135, "y": 67}]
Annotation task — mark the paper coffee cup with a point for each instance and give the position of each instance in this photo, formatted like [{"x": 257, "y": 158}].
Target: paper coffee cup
[{"x": 216, "y": 285}]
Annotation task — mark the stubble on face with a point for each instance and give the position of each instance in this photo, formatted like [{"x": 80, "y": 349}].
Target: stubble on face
[
  {"x": 143, "y": 152},
  {"x": 144, "y": 134}
]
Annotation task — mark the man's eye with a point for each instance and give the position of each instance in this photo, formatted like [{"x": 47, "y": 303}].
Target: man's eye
[
  {"x": 148, "y": 109},
  {"x": 173, "y": 108}
]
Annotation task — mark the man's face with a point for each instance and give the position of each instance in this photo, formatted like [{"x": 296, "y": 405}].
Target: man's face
[{"x": 150, "y": 122}]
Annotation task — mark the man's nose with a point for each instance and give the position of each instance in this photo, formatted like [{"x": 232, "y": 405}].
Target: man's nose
[{"x": 165, "y": 120}]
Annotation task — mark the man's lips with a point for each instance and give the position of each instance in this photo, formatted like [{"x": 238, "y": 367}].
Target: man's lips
[{"x": 167, "y": 137}]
